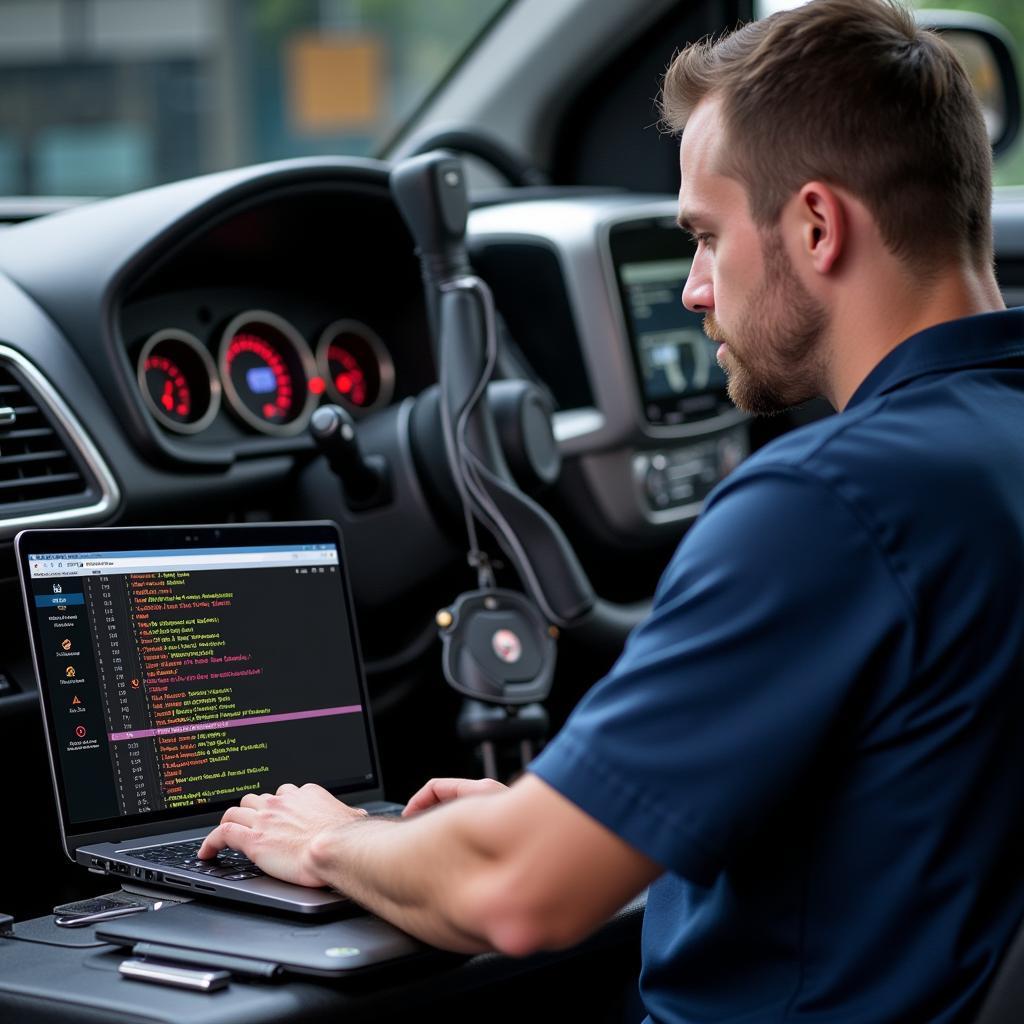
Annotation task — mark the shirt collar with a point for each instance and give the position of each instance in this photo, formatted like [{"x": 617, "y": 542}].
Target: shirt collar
[{"x": 956, "y": 344}]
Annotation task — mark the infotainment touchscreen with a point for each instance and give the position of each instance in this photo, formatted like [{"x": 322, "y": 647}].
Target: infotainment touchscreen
[{"x": 675, "y": 361}]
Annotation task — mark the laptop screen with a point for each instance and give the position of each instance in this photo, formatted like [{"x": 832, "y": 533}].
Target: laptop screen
[{"x": 179, "y": 678}]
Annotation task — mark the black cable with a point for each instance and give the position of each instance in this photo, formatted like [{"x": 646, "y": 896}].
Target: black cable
[
  {"x": 470, "y": 466},
  {"x": 454, "y": 438}
]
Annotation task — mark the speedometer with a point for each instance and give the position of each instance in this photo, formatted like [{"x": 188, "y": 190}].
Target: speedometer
[
  {"x": 356, "y": 365},
  {"x": 178, "y": 381},
  {"x": 269, "y": 374}
]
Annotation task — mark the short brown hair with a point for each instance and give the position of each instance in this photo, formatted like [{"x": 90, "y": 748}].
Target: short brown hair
[{"x": 853, "y": 93}]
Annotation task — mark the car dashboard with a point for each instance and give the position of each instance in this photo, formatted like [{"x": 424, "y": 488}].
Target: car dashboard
[{"x": 195, "y": 327}]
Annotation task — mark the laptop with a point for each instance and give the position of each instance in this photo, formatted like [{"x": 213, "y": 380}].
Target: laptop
[{"x": 180, "y": 668}]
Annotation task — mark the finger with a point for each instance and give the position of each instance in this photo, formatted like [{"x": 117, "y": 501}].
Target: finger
[
  {"x": 240, "y": 816},
  {"x": 480, "y": 787},
  {"x": 212, "y": 845},
  {"x": 436, "y": 791},
  {"x": 426, "y": 796},
  {"x": 254, "y": 800},
  {"x": 230, "y": 834},
  {"x": 288, "y": 787},
  {"x": 439, "y": 791}
]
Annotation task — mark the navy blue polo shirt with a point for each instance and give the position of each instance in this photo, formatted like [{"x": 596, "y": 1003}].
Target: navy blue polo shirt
[{"x": 819, "y": 730}]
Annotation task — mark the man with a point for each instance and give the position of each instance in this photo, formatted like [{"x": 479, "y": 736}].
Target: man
[{"x": 811, "y": 748}]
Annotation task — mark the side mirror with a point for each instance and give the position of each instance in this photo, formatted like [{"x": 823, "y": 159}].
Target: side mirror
[{"x": 986, "y": 50}]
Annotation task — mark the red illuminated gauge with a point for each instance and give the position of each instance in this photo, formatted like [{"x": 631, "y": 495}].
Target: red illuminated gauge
[
  {"x": 269, "y": 374},
  {"x": 178, "y": 381},
  {"x": 356, "y": 366}
]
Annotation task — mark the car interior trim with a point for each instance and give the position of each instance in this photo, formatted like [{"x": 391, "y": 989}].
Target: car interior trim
[{"x": 573, "y": 423}]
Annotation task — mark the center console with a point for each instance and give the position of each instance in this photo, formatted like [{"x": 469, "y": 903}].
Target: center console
[{"x": 642, "y": 401}]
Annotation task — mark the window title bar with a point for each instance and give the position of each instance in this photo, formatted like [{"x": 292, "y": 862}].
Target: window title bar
[{"x": 98, "y": 563}]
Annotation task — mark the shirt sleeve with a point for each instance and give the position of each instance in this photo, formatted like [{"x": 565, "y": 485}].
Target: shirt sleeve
[{"x": 775, "y": 613}]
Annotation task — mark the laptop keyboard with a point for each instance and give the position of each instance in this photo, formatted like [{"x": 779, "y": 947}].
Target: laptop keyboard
[{"x": 228, "y": 864}]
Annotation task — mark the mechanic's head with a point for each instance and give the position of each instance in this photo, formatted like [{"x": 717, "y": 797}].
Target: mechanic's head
[{"x": 820, "y": 145}]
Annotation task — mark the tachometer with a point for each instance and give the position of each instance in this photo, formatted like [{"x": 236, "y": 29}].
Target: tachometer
[
  {"x": 269, "y": 374},
  {"x": 356, "y": 365},
  {"x": 178, "y": 381}
]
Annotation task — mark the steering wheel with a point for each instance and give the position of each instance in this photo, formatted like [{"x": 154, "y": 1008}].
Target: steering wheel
[{"x": 515, "y": 169}]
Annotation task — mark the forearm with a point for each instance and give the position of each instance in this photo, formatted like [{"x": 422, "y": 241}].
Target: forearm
[
  {"x": 429, "y": 876},
  {"x": 518, "y": 870}
]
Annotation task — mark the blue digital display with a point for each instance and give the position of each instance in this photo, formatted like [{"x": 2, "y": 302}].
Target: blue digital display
[{"x": 261, "y": 380}]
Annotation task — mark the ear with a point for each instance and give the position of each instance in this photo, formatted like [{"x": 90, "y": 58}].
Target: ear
[{"x": 820, "y": 217}]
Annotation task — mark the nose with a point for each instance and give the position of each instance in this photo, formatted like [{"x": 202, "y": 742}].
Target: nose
[{"x": 698, "y": 292}]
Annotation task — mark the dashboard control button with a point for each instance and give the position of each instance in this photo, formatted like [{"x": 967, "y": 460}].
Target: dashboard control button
[{"x": 675, "y": 481}]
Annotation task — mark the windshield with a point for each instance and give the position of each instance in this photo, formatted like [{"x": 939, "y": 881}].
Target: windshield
[{"x": 99, "y": 97}]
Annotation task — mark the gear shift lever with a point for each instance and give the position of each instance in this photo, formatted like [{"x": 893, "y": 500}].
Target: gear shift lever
[{"x": 430, "y": 191}]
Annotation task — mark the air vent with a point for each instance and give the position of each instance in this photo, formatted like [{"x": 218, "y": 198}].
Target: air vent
[
  {"x": 49, "y": 470},
  {"x": 35, "y": 465}
]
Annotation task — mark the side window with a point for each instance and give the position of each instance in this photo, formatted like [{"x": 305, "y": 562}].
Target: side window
[{"x": 1009, "y": 168}]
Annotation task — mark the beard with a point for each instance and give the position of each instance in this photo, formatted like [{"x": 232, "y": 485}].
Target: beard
[{"x": 774, "y": 352}]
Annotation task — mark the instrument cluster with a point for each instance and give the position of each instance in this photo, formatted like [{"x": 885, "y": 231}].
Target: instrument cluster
[{"x": 264, "y": 371}]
